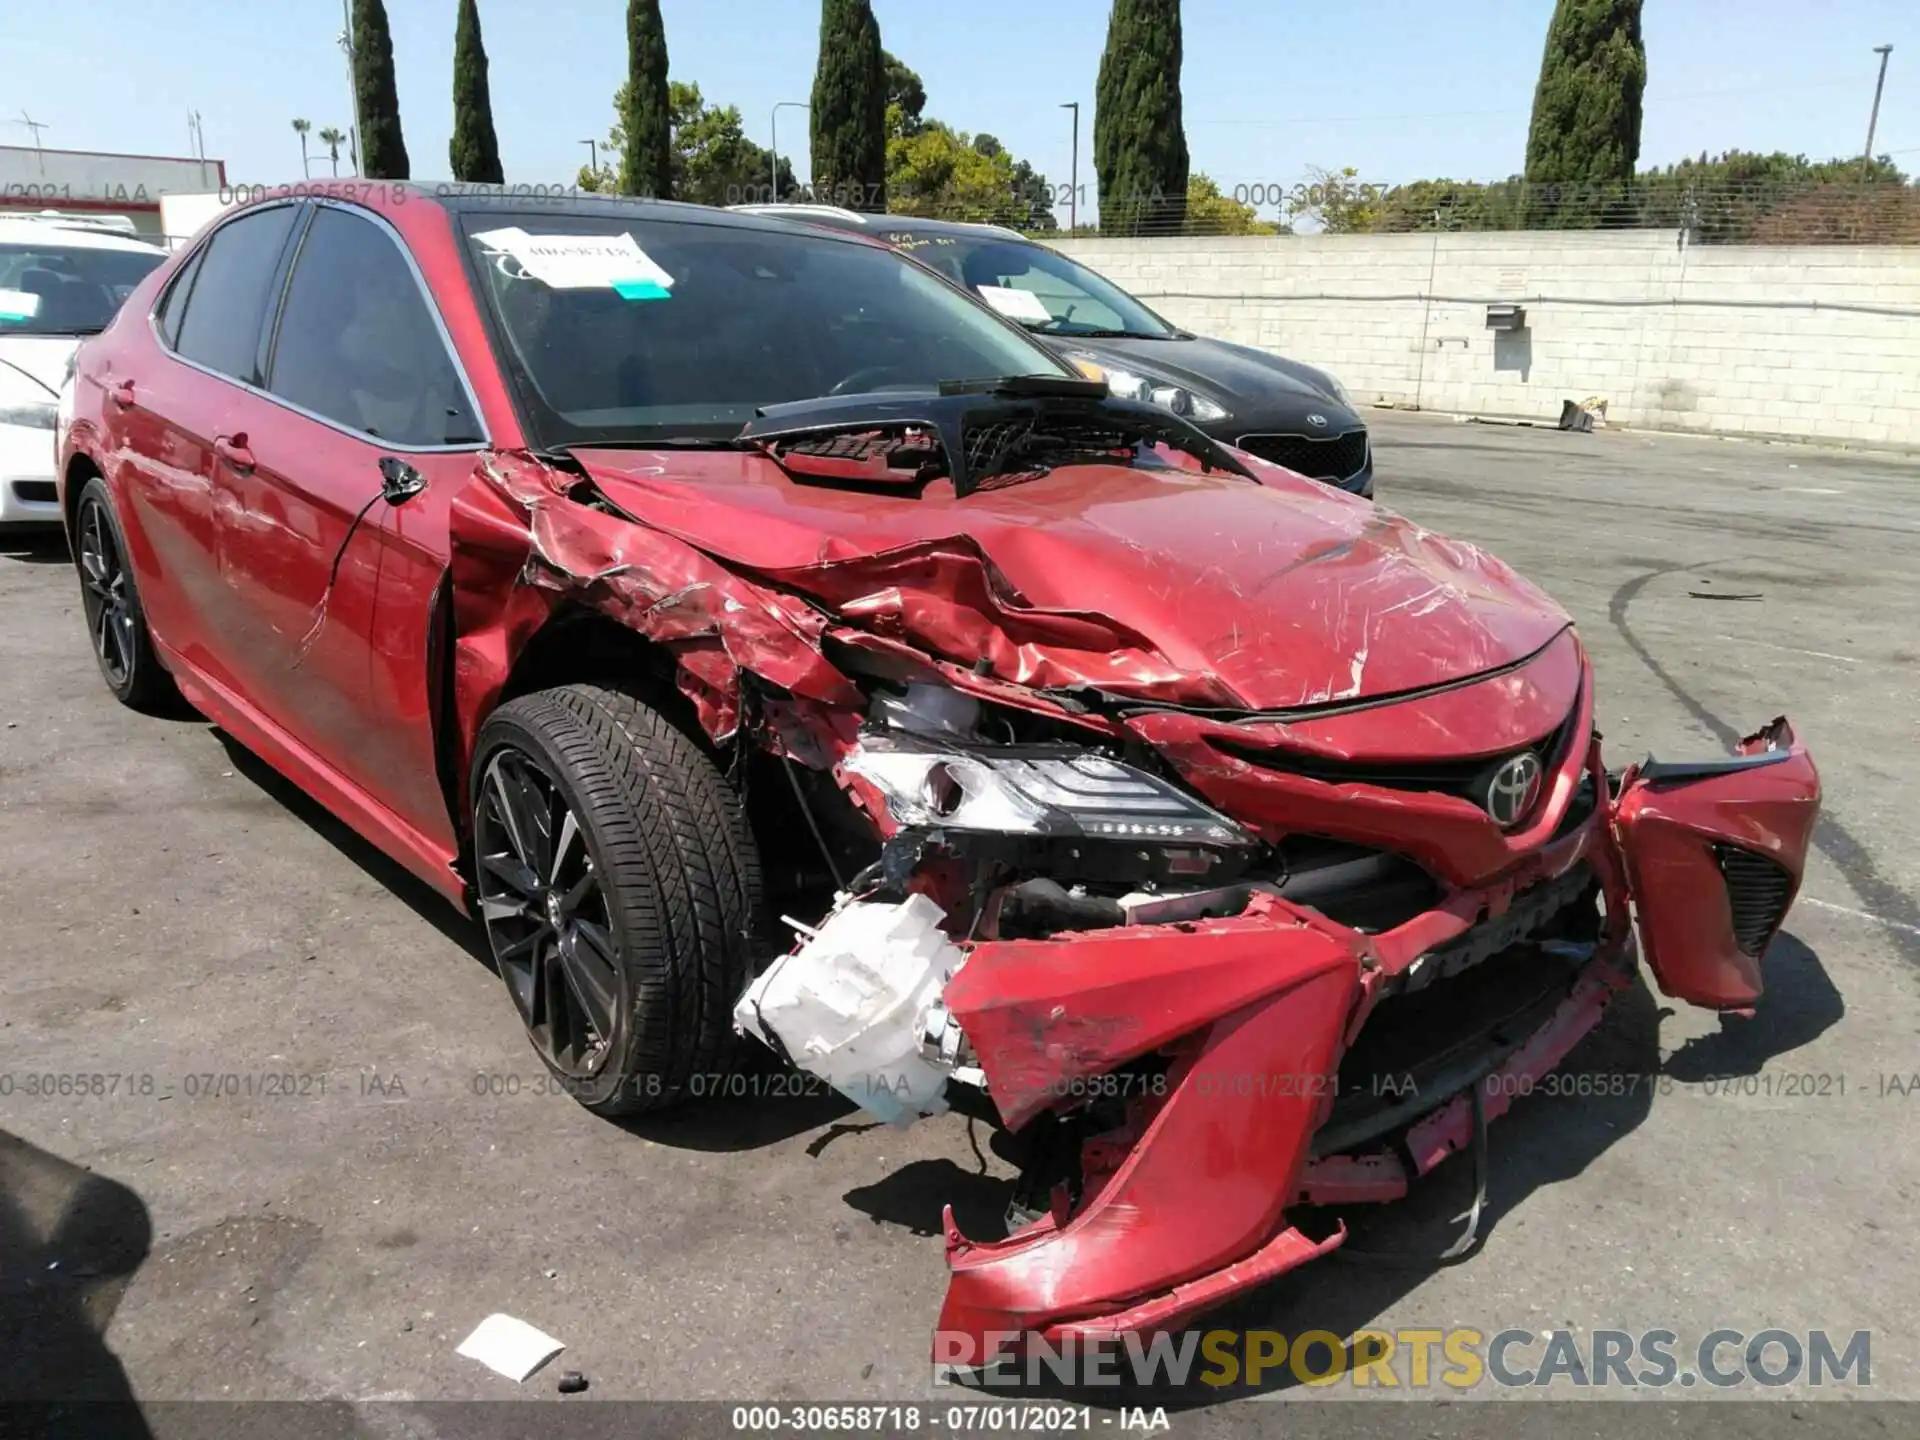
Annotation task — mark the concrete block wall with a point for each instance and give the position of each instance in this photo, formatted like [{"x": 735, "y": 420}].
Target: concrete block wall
[{"x": 1818, "y": 342}]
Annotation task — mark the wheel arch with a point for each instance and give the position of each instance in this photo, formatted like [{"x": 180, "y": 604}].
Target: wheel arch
[
  {"x": 573, "y": 645},
  {"x": 81, "y": 467}
]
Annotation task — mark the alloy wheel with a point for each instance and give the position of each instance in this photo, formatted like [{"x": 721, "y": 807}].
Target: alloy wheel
[
  {"x": 105, "y": 595},
  {"x": 546, "y": 914}
]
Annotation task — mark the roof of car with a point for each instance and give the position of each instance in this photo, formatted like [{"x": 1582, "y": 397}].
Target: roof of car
[
  {"x": 72, "y": 232},
  {"x": 567, "y": 200},
  {"x": 881, "y": 226}
]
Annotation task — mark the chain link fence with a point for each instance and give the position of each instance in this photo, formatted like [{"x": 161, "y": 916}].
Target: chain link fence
[{"x": 1757, "y": 212}]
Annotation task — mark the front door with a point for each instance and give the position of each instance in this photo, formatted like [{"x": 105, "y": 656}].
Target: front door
[{"x": 357, "y": 371}]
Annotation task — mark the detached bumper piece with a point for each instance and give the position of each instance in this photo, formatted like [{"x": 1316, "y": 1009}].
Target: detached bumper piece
[
  {"x": 1714, "y": 854},
  {"x": 1265, "y": 1025}
]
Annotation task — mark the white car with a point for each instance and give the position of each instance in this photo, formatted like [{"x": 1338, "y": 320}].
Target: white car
[{"x": 61, "y": 279}]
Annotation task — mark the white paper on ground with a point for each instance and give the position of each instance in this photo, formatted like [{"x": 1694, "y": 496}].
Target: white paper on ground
[
  {"x": 579, "y": 262},
  {"x": 1016, "y": 304},
  {"x": 509, "y": 1347}
]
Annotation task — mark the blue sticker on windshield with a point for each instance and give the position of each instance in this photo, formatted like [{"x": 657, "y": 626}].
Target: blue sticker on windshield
[{"x": 641, "y": 290}]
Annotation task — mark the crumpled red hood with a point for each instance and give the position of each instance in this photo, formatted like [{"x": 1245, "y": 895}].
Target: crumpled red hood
[{"x": 1220, "y": 591}]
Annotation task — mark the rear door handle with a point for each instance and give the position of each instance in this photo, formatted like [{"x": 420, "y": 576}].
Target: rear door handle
[
  {"x": 123, "y": 394},
  {"x": 233, "y": 449}
]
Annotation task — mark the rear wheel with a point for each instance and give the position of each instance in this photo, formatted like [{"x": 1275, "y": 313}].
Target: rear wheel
[
  {"x": 620, "y": 889},
  {"x": 117, "y": 625}
]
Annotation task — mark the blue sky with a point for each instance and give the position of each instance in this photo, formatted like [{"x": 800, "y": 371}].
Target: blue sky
[{"x": 1400, "y": 89}]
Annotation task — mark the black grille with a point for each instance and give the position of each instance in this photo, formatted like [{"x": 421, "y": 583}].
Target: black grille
[
  {"x": 1757, "y": 891},
  {"x": 1033, "y": 446},
  {"x": 35, "y": 491},
  {"x": 1333, "y": 458}
]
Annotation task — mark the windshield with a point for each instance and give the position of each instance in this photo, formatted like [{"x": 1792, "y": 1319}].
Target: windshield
[
  {"x": 47, "y": 288},
  {"x": 623, "y": 329},
  {"x": 1040, "y": 288}
]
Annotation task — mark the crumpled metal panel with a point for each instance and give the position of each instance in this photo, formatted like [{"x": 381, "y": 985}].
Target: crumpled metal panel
[
  {"x": 521, "y": 546},
  {"x": 1203, "y": 1187},
  {"x": 1218, "y": 592},
  {"x": 1668, "y": 833}
]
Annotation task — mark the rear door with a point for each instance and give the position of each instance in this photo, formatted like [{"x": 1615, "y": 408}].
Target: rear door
[{"x": 168, "y": 407}]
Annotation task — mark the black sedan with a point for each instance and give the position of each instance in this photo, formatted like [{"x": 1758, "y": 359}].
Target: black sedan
[{"x": 1278, "y": 409}]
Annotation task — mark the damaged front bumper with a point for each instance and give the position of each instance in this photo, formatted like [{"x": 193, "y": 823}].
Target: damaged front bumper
[{"x": 1271, "y": 1031}]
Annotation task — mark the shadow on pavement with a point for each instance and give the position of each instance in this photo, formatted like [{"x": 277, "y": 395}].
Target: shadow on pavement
[
  {"x": 70, "y": 1241},
  {"x": 35, "y": 546},
  {"x": 1801, "y": 1002}
]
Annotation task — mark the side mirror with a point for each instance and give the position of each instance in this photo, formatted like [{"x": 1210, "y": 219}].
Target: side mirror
[{"x": 399, "y": 481}]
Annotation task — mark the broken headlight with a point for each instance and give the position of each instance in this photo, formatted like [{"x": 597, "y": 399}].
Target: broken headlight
[{"x": 1035, "y": 790}]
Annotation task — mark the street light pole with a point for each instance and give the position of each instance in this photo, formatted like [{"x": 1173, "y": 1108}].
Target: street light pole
[
  {"x": 1073, "y": 184},
  {"x": 773, "y": 135},
  {"x": 353, "y": 88},
  {"x": 593, "y": 156},
  {"x": 1873, "y": 121}
]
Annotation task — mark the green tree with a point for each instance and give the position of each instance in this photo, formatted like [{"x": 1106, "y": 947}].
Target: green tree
[
  {"x": 1450, "y": 205},
  {"x": 1211, "y": 213},
  {"x": 941, "y": 172},
  {"x": 383, "y": 150},
  {"x": 1337, "y": 201},
  {"x": 944, "y": 173},
  {"x": 474, "y": 151},
  {"x": 849, "y": 116},
  {"x": 646, "y": 114},
  {"x": 333, "y": 138},
  {"x": 1585, "y": 137},
  {"x": 1029, "y": 203},
  {"x": 302, "y": 128},
  {"x": 712, "y": 162},
  {"x": 1139, "y": 143},
  {"x": 906, "y": 96}
]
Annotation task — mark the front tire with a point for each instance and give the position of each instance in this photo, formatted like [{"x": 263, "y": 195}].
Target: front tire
[
  {"x": 620, "y": 889},
  {"x": 122, "y": 645}
]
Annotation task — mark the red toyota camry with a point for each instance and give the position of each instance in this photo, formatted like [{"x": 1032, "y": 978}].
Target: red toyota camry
[{"x": 638, "y": 573}]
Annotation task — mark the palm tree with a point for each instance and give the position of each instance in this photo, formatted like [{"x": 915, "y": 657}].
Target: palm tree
[
  {"x": 300, "y": 128},
  {"x": 331, "y": 138}
]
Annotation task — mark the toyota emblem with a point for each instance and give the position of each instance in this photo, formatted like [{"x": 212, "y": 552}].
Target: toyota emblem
[
  {"x": 1319, "y": 420},
  {"x": 1513, "y": 789}
]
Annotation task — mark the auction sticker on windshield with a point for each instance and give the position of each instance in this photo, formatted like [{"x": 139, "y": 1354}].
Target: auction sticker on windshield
[
  {"x": 18, "y": 304},
  {"x": 1015, "y": 304},
  {"x": 583, "y": 262}
]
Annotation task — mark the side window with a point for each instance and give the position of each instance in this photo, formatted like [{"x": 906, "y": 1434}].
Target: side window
[
  {"x": 357, "y": 344},
  {"x": 173, "y": 307},
  {"x": 221, "y": 326}
]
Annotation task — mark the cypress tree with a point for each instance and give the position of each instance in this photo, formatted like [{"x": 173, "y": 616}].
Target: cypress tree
[
  {"x": 474, "y": 151},
  {"x": 383, "y": 151},
  {"x": 1585, "y": 137},
  {"x": 849, "y": 117},
  {"x": 646, "y": 164},
  {"x": 1139, "y": 142}
]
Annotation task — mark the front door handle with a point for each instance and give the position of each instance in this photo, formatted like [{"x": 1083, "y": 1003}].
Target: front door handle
[
  {"x": 233, "y": 449},
  {"x": 122, "y": 394}
]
